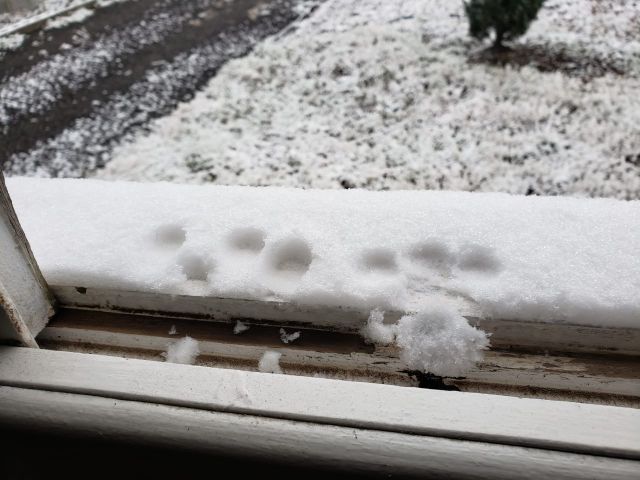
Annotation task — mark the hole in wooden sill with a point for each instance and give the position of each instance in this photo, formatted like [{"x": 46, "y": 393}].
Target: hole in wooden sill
[{"x": 431, "y": 381}]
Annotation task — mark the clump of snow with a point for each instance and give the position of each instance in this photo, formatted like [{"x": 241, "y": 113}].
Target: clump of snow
[
  {"x": 375, "y": 331},
  {"x": 173, "y": 330},
  {"x": 516, "y": 257},
  {"x": 240, "y": 327},
  {"x": 439, "y": 340},
  {"x": 270, "y": 362},
  {"x": 288, "y": 337},
  {"x": 10, "y": 42},
  {"x": 184, "y": 351},
  {"x": 380, "y": 94}
]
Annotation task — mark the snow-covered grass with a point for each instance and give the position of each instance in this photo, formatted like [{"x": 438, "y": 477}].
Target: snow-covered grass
[
  {"x": 381, "y": 95},
  {"x": 503, "y": 256}
]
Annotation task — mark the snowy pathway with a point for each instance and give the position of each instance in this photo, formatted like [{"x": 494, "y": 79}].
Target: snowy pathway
[{"x": 67, "y": 94}]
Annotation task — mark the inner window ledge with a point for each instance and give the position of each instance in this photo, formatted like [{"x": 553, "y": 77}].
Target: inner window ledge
[
  {"x": 290, "y": 417},
  {"x": 541, "y": 360}
]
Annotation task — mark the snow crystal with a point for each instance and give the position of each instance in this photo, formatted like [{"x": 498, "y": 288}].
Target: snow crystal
[
  {"x": 376, "y": 332},
  {"x": 439, "y": 340},
  {"x": 517, "y": 257},
  {"x": 270, "y": 362},
  {"x": 184, "y": 351},
  {"x": 240, "y": 327},
  {"x": 288, "y": 337}
]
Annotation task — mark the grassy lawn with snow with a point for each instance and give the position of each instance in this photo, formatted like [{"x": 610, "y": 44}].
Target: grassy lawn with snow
[{"x": 395, "y": 95}]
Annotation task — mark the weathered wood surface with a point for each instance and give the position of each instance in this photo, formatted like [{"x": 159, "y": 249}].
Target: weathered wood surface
[
  {"x": 607, "y": 379},
  {"x": 25, "y": 300},
  {"x": 561, "y": 426},
  {"x": 511, "y": 334},
  {"x": 374, "y": 453}
]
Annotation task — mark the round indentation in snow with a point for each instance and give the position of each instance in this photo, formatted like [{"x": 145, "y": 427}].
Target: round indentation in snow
[
  {"x": 432, "y": 254},
  {"x": 195, "y": 266},
  {"x": 248, "y": 239},
  {"x": 478, "y": 258},
  {"x": 291, "y": 255},
  {"x": 170, "y": 235},
  {"x": 379, "y": 260}
]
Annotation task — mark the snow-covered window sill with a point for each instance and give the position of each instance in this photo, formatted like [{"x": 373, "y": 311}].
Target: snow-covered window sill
[
  {"x": 392, "y": 287},
  {"x": 285, "y": 281}
]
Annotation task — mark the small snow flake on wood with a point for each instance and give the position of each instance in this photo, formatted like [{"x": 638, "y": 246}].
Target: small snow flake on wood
[
  {"x": 270, "y": 362},
  {"x": 240, "y": 327},
  {"x": 288, "y": 337},
  {"x": 183, "y": 351}
]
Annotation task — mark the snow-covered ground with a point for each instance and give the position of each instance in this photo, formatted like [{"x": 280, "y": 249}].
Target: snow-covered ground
[
  {"x": 43, "y": 6},
  {"x": 380, "y": 94},
  {"x": 46, "y": 8},
  {"x": 160, "y": 54},
  {"x": 41, "y": 86}
]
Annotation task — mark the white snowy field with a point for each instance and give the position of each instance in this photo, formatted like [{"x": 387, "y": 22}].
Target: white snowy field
[
  {"x": 516, "y": 257},
  {"x": 380, "y": 94}
]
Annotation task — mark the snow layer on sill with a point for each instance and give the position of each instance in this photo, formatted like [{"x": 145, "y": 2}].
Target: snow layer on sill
[{"x": 530, "y": 258}]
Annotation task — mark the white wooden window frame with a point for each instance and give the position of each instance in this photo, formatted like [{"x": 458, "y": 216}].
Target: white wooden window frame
[
  {"x": 359, "y": 426},
  {"x": 26, "y": 303}
]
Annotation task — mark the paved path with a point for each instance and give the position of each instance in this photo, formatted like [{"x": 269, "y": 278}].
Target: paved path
[{"x": 68, "y": 95}]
